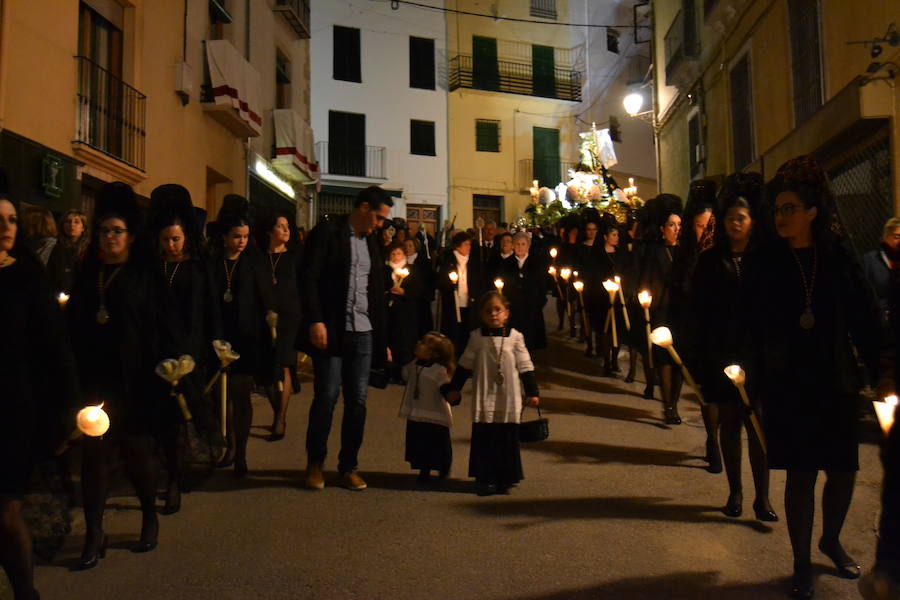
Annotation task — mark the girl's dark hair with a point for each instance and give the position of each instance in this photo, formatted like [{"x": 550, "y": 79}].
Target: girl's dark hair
[
  {"x": 442, "y": 350},
  {"x": 394, "y": 246},
  {"x": 805, "y": 177},
  {"x": 743, "y": 190},
  {"x": 192, "y": 241},
  {"x": 459, "y": 238}
]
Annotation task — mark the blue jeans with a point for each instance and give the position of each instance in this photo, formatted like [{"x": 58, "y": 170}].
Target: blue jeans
[{"x": 350, "y": 369}]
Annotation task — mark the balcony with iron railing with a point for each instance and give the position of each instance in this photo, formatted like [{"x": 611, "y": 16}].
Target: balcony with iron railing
[
  {"x": 110, "y": 117},
  {"x": 366, "y": 162},
  {"x": 682, "y": 46},
  {"x": 514, "y": 78},
  {"x": 548, "y": 173},
  {"x": 296, "y": 13}
]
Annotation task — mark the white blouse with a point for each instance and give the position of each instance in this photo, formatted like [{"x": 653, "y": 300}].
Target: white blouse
[
  {"x": 429, "y": 405},
  {"x": 495, "y": 402}
]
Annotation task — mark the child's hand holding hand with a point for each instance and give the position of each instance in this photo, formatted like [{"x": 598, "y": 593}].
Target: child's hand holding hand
[
  {"x": 533, "y": 400},
  {"x": 454, "y": 398}
]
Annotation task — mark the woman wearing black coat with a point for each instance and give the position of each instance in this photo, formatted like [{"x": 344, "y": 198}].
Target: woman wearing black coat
[
  {"x": 243, "y": 301},
  {"x": 470, "y": 286},
  {"x": 403, "y": 294},
  {"x": 280, "y": 267},
  {"x": 814, "y": 309},
  {"x": 526, "y": 283},
  {"x": 415, "y": 255},
  {"x": 123, "y": 322},
  {"x": 611, "y": 260},
  {"x": 187, "y": 274},
  {"x": 40, "y": 385},
  {"x": 656, "y": 277},
  {"x": 720, "y": 332}
]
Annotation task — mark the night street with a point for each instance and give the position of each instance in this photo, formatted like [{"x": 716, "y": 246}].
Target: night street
[{"x": 614, "y": 505}]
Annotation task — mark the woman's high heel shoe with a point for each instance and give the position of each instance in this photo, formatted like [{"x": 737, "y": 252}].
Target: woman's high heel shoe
[
  {"x": 91, "y": 559},
  {"x": 733, "y": 507},
  {"x": 765, "y": 513},
  {"x": 173, "y": 499},
  {"x": 149, "y": 535},
  {"x": 802, "y": 583},
  {"x": 846, "y": 566}
]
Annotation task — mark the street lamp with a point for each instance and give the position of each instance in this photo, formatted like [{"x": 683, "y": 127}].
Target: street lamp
[{"x": 633, "y": 103}]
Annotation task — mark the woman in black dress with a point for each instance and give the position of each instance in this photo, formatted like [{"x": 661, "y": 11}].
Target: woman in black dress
[
  {"x": 656, "y": 277},
  {"x": 280, "y": 267},
  {"x": 240, "y": 290},
  {"x": 589, "y": 260},
  {"x": 69, "y": 251},
  {"x": 611, "y": 261},
  {"x": 39, "y": 386},
  {"x": 186, "y": 273},
  {"x": 567, "y": 256},
  {"x": 526, "y": 283},
  {"x": 412, "y": 247},
  {"x": 815, "y": 307},
  {"x": 720, "y": 331},
  {"x": 403, "y": 294},
  {"x": 124, "y": 321},
  {"x": 470, "y": 286}
]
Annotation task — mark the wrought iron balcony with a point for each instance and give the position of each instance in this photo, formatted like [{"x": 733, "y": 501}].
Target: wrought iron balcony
[
  {"x": 513, "y": 78},
  {"x": 682, "y": 45},
  {"x": 110, "y": 115},
  {"x": 354, "y": 161},
  {"x": 296, "y": 13}
]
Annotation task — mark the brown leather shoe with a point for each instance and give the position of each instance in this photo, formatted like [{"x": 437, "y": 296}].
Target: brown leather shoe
[
  {"x": 315, "y": 479},
  {"x": 352, "y": 481}
]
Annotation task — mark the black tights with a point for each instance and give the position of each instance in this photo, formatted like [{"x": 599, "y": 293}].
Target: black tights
[
  {"x": 15, "y": 548},
  {"x": 240, "y": 416},
  {"x": 279, "y": 400},
  {"x": 141, "y": 468},
  {"x": 670, "y": 380},
  {"x": 799, "y": 508},
  {"x": 731, "y": 419}
]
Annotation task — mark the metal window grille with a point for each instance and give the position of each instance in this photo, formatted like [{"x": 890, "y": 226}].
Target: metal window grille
[
  {"x": 332, "y": 205},
  {"x": 487, "y": 135},
  {"x": 514, "y": 78},
  {"x": 110, "y": 114},
  {"x": 543, "y": 9},
  {"x": 806, "y": 61},
  {"x": 742, "y": 150},
  {"x": 861, "y": 182}
]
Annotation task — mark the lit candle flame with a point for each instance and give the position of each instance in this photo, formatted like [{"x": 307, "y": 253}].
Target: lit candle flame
[
  {"x": 611, "y": 286},
  {"x": 645, "y": 299},
  {"x": 92, "y": 420},
  {"x": 454, "y": 277},
  {"x": 552, "y": 271},
  {"x": 565, "y": 273},
  {"x": 63, "y": 299},
  {"x": 553, "y": 252},
  {"x": 736, "y": 374},
  {"x": 661, "y": 336},
  {"x": 885, "y": 412},
  {"x": 579, "y": 286},
  {"x": 498, "y": 283}
]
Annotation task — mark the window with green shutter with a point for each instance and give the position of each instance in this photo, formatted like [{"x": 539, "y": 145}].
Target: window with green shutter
[{"x": 487, "y": 135}]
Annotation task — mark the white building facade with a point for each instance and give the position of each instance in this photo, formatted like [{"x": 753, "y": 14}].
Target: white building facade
[{"x": 379, "y": 106}]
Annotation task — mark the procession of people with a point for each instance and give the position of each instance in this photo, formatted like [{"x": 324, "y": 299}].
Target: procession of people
[{"x": 746, "y": 279}]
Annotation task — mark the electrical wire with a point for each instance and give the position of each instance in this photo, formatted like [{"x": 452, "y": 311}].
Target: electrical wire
[{"x": 498, "y": 18}]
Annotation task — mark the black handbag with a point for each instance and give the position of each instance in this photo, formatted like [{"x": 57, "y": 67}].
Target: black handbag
[{"x": 534, "y": 431}]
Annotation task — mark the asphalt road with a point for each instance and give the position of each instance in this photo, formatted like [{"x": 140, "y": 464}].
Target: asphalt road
[{"x": 614, "y": 505}]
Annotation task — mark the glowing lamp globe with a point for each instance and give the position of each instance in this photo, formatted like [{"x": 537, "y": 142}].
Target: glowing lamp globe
[
  {"x": 661, "y": 336},
  {"x": 633, "y": 103},
  {"x": 92, "y": 421}
]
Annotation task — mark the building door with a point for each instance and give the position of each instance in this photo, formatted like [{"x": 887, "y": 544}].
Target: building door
[
  {"x": 489, "y": 208},
  {"x": 547, "y": 168},
  {"x": 485, "y": 74},
  {"x": 543, "y": 69},
  {"x": 346, "y": 143},
  {"x": 429, "y": 216}
]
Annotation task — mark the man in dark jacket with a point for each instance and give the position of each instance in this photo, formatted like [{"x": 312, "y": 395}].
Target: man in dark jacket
[{"x": 342, "y": 290}]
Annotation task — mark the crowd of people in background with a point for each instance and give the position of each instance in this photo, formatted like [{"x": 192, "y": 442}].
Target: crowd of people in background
[{"x": 747, "y": 272}]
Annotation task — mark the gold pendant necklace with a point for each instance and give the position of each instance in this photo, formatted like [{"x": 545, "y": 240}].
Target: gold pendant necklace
[
  {"x": 807, "y": 319},
  {"x": 228, "y": 296}
]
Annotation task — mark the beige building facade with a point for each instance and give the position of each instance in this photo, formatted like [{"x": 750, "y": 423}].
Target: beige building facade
[
  {"x": 156, "y": 92},
  {"x": 521, "y": 92},
  {"x": 748, "y": 84}
]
